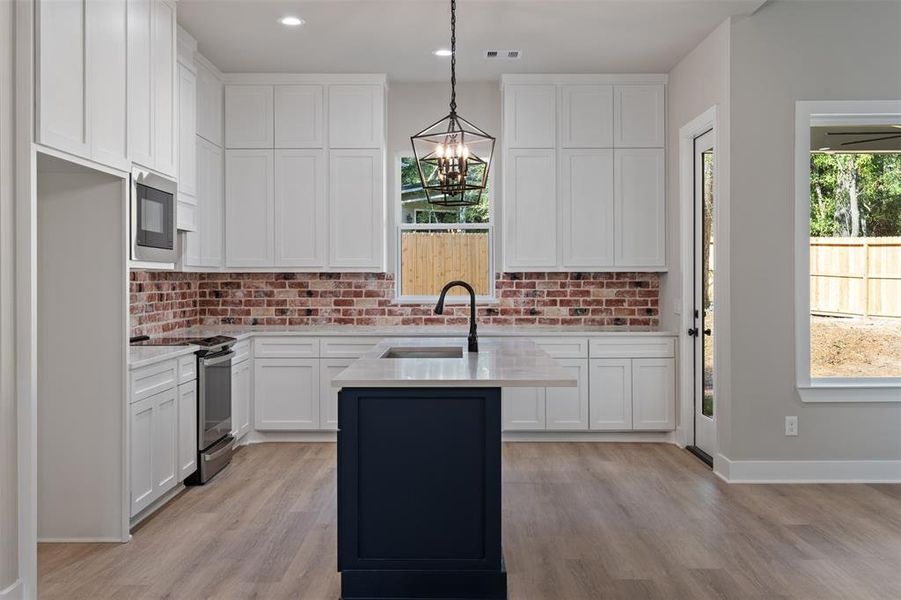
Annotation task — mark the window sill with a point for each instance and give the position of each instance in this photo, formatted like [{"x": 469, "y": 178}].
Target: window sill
[
  {"x": 481, "y": 301},
  {"x": 851, "y": 391}
]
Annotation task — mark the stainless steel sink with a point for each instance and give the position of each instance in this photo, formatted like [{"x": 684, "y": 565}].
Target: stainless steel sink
[{"x": 414, "y": 352}]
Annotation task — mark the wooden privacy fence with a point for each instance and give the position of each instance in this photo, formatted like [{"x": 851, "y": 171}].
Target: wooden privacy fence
[
  {"x": 429, "y": 259},
  {"x": 856, "y": 276}
]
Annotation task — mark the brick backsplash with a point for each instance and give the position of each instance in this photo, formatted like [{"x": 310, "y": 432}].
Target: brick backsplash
[{"x": 163, "y": 302}]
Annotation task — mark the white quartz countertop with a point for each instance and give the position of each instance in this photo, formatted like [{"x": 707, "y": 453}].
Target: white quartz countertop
[
  {"x": 141, "y": 356},
  {"x": 499, "y": 363},
  {"x": 243, "y": 331}
]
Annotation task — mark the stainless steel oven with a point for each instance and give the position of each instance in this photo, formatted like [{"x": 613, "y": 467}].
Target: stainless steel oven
[
  {"x": 214, "y": 412},
  {"x": 153, "y": 206}
]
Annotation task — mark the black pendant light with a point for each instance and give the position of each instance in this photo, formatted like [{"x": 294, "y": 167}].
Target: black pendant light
[{"x": 453, "y": 155}]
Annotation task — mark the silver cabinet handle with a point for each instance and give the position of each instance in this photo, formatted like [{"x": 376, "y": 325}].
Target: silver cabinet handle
[{"x": 225, "y": 448}]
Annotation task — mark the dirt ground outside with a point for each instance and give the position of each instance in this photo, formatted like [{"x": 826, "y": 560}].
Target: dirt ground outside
[{"x": 855, "y": 347}]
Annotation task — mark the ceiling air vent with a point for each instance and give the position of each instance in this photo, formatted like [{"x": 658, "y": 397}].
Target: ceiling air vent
[{"x": 503, "y": 54}]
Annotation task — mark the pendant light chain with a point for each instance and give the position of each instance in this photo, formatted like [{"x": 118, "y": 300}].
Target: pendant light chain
[{"x": 453, "y": 102}]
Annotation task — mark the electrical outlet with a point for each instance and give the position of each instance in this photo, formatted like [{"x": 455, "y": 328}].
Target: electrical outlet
[{"x": 791, "y": 425}]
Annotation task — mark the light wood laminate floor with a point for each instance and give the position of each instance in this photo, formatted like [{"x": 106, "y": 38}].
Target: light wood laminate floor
[{"x": 580, "y": 521}]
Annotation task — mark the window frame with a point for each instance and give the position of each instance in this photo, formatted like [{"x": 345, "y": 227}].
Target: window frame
[
  {"x": 829, "y": 389},
  {"x": 400, "y": 227}
]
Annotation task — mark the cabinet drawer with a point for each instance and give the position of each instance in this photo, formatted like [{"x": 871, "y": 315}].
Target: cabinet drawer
[
  {"x": 563, "y": 347},
  {"x": 346, "y": 347},
  {"x": 187, "y": 368},
  {"x": 632, "y": 347},
  {"x": 286, "y": 347},
  {"x": 242, "y": 351},
  {"x": 153, "y": 379}
]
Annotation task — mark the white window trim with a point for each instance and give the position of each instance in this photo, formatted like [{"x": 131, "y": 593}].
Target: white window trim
[
  {"x": 400, "y": 227},
  {"x": 828, "y": 389}
]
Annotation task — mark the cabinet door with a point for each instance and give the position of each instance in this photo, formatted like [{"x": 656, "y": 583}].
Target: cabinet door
[
  {"x": 300, "y": 208},
  {"x": 203, "y": 247},
  {"x": 639, "y": 196},
  {"x": 248, "y": 208},
  {"x": 241, "y": 392},
  {"x": 165, "y": 125},
  {"x": 653, "y": 393},
  {"x": 140, "y": 449},
  {"x": 356, "y": 209},
  {"x": 187, "y": 429},
  {"x": 62, "y": 110},
  {"x": 107, "y": 66},
  {"x": 530, "y": 116},
  {"x": 209, "y": 104},
  {"x": 328, "y": 394},
  {"x": 586, "y": 208},
  {"x": 187, "y": 132},
  {"x": 639, "y": 118},
  {"x": 567, "y": 408},
  {"x": 286, "y": 393},
  {"x": 140, "y": 82},
  {"x": 530, "y": 193},
  {"x": 610, "y": 394},
  {"x": 165, "y": 441},
  {"x": 523, "y": 409},
  {"x": 248, "y": 116},
  {"x": 356, "y": 116},
  {"x": 586, "y": 116},
  {"x": 298, "y": 116}
]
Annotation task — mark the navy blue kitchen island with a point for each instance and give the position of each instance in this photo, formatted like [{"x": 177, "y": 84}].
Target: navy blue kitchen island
[{"x": 419, "y": 466}]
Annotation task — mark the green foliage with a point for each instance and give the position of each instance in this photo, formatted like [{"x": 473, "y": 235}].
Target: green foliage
[{"x": 855, "y": 194}]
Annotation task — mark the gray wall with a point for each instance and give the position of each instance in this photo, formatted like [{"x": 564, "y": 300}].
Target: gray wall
[
  {"x": 699, "y": 82},
  {"x": 791, "y": 51},
  {"x": 414, "y": 106},
  {"x": 9, "y": 569}
]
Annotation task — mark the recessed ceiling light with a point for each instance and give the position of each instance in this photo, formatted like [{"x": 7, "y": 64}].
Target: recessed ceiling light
[
  {"x": 291, "y": 21},
  {"x": 442, "y": 52}
]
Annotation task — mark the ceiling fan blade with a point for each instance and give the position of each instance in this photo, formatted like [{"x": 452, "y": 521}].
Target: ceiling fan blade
[{"x": 888, "y": 137}]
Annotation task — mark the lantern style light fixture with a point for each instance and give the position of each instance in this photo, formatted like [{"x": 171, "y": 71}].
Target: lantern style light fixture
[{"x": 453, "y": 155}]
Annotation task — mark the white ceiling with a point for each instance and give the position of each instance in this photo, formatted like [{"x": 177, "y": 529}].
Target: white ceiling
[{"x": 397, "y": 37}]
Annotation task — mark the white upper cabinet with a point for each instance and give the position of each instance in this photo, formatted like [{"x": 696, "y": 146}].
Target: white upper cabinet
[
  {"x": 530, "y": 116},
  {"x": 298, "y": 116},
  {"x": 586, "y": 207},
  {"x": 300, "y": 207},
  {"x": 249, "y": 116},
  {"x": 531, "y": 209},
  {"x": 356, "y": 209},
  {"x": 639, "y": 116},
  {"x": 639, "y": 195},
  {"x": 356, "y": 116},
  {"x": 209, "y": 102},
  {"x": 81, "y": 72},
  {"x": 586, "y": 116},
  {"x": 203, "y": 247},
  {"x": 165, "y": 124},
  {"x": 152, "y": 85},
  {"x": 187, "y": 149},
  {"x": 140, "y": 82},
  {"x": 249, "y": 208}
]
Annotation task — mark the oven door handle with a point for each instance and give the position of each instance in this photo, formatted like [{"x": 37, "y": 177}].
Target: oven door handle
[
  {"x": 218, "y": 360},
  {"x": 226, "y": 447}
]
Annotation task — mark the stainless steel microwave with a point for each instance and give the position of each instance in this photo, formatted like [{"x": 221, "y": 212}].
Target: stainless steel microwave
[{"x": 153, "y": 205}]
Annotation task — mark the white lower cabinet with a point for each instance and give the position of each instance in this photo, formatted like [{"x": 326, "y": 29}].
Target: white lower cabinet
[
  {"x": 242, "y": 389},
  {"x": 187, "y": 429},
  {"x": 610, "y": 395},
  {"x": 653, "y": 393},
  {"x": 523, "y": 409},
  {"x": 566, "y": 408},
  {"x": 286, "y": 393},
  {"x": 153, "y": 447},
  {"x": 328, "y": 394}
]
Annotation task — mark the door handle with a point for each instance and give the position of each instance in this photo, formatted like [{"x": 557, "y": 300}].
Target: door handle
[{"x": 707, "y": 331}]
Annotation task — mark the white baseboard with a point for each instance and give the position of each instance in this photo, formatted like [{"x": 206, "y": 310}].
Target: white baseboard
[
  {"x": 157, "y": 504},
  {"x": 807, "y": 471},
  {"x": 86, "y": 540},
  {"x": 259, "y": 437},
  {"x": 665, "y": 437},
  {"x": 13, "y": 592}
]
